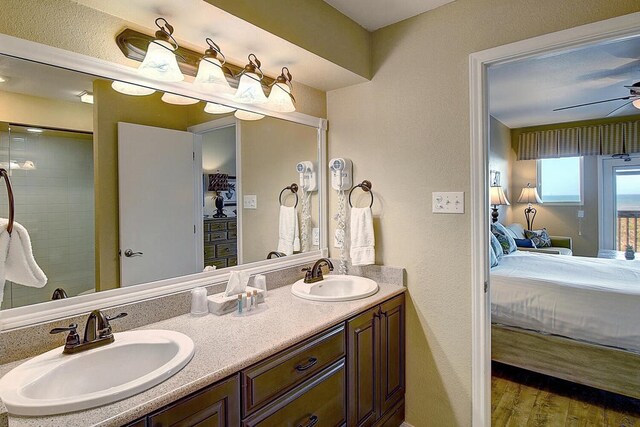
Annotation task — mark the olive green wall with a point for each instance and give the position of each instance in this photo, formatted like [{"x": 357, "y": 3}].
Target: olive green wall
[
  {"x": 408, "y": 132},
  {"x": 304, "y": 23}
]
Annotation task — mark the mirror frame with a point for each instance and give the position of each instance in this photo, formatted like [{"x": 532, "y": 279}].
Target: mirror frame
[{"x": 52, "y": 310}]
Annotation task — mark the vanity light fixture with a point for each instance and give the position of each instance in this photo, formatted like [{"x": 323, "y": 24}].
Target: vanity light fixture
[
  {"x": 131, "y": 89},
  {"x": 172, "y": 98},
  {"x": 28, "y": 165},
  {"x": 34, "y": 130},
  {"x": 636, "y": 103},
  {"x": 213, "y": 108},
  {"x": 248, "y": 115},
  {"x": 160, "y": 61},
  {"x": 210, "y": 69},
  {"x": 250, "y": 84},
  {"x": 86, "y": 97},
  {"x": 280, "y": 99},
  {"x": 3, "y": 79}
]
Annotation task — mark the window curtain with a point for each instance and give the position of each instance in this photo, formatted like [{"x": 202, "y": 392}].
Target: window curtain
[{"x": 607, "y": 139}]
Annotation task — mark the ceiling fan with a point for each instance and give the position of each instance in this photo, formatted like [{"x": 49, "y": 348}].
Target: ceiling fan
[{"x": 633, "y": 97}]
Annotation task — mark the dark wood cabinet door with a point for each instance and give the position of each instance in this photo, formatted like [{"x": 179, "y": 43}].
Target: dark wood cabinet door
[
  {"x": 392, "y": 348},
  {"x": 215, "y": 406},
  {"x": 363, "y": 348}
]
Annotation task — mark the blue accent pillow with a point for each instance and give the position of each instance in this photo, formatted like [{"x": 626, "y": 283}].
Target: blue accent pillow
[
  {"x": 525, "y": 243},
  {"x": 496, "y": 246},
  {"x": 540, "y": 238},
  {"x": 493, "y": 257},
  {"x": 507, "y": 242}
]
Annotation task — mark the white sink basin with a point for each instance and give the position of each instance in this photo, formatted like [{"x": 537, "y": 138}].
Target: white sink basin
[
  {"x": 55, "y": 383},
  {"x": 335, "y": 288}
]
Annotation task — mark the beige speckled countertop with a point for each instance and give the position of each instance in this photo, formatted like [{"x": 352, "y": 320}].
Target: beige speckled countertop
[{"x": 223, "y": 345}]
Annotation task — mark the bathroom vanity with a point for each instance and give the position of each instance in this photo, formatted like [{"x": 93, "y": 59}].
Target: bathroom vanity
[{"x": 352, "y": 373}]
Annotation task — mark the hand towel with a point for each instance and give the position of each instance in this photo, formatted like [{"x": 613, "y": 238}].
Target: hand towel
[
  {"x": 362, "y": 240},
  {"x": 288, "y": 235},
  {"x": 16, "y": 258}
]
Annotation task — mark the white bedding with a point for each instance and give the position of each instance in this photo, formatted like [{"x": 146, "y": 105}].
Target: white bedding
[{"x": 588, "y": 299}]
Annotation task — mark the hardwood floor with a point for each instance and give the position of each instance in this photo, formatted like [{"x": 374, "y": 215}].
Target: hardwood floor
[{"x": 523, "y": 398}]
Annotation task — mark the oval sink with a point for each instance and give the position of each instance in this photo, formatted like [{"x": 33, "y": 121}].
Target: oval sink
[
  {"x": 335, "y": 288},
  {"x": 55, "y": 383}
]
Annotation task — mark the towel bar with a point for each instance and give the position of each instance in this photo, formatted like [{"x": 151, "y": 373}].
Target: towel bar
[
  {"x": 366, "y": 187},
  {"x": 5, "y": 175},
  {"x": 294, "y": 189}
]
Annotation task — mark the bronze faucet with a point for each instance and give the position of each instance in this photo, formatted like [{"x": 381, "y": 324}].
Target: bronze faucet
[
  {"x": 314, "y": 274},
  {"x": 97, "y": 333},
  {"x": 275, "y": 254}
]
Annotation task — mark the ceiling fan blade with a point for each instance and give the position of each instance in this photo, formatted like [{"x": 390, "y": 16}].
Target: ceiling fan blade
[
  {"x": 622, "y": 106},
  {"x": 593, "y": 103}
]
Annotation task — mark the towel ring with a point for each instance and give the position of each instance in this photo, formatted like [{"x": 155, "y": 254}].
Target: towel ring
[
  {"x": 366, "y": 187},
  {"x": 294, "y": 189},
  {"x": 5, "y": 175}
]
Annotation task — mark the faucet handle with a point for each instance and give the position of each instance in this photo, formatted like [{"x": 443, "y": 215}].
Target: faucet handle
[
  {"x": 106, "y": 331},
  {"x": 308, "y": 275},
  {"x": 73, "y": 338},
  {"x": 117, "y": 316}
]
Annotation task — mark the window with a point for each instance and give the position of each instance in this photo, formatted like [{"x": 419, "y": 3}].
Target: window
[{"x": 560, "y": 180}]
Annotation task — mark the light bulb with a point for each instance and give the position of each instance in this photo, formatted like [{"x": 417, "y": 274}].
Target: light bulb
[
  {"x": 171, "y": 98},
  {"x": 247, "y": 115},
  {"x": 160, "y": 63},
  {"x": 130, "y": 89},
  {"x": 213, "y": 108},
  {"x": 280, "y": 99}
]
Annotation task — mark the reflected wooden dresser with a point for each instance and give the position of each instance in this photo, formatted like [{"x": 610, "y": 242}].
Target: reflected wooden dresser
[{"x": 220, "y": 242}]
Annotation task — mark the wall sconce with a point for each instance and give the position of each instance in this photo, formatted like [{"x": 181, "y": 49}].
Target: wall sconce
[
  {"x": 530, "y": 196},
  {"x": 280, "y": 98},
  {"x": 250, "y": 84},
  {"x": 86, "y": 97},
  {"x": 210, "y": 69},
  {"x": 160, "y": 61}
]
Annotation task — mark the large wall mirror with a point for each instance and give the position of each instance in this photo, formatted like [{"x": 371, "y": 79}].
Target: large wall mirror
[{"x": 118, "y": 190}]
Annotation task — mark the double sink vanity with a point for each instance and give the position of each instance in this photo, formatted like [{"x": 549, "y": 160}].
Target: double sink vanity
[{"x": 324, "y": 353}]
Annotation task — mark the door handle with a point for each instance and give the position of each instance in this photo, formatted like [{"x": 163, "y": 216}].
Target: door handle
[{"x": 129, "y": 253}]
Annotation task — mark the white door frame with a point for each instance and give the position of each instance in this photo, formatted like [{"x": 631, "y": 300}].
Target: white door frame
[
  {"x": 221, "y": 123},
  {"x": 610, "y": 29}
]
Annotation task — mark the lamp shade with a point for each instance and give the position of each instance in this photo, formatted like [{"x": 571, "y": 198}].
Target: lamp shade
[
  {"x": 280, "y": 99},
  {"x": 172, "y": 98},
  {"x": 218, "y": 182},
  {"x": 213, "y": 108},
  {"x": 497, "y": 196},
  {"x": 247, "y": 115},
  {"x": 210, "y": 74},
  {"x": 160, "y": 63},
  {"x": 529, "y": 194},
  {"x": 130, "y": 89},
  {"x": 250, "y": 90}
]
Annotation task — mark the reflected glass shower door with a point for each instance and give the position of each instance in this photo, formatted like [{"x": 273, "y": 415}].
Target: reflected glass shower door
[{"x": 51, "y": 172}]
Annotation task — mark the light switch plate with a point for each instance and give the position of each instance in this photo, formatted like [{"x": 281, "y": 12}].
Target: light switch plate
[
  {"x": 451, "y": 202},
  {"x": 315, "y": 236},
  {"x": 250, "y": 201}
]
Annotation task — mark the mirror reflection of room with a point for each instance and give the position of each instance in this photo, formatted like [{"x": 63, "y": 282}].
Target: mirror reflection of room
[
  {"x": 564, "y": 195},
  {"x": 71, "y": 140}
]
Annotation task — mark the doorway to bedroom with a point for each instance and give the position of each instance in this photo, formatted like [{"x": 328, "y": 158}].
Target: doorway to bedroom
[{"x": 562, "y": 310}]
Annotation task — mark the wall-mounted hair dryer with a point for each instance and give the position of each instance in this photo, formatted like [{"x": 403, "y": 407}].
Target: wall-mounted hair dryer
[
  {"x": 341, "y": 173},
  {"x": 308, "y": 178}
]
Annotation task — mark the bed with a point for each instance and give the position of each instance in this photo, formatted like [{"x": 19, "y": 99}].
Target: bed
[{"x": 575, "y": 318}]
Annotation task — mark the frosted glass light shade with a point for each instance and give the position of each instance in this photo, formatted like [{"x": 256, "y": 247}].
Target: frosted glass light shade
[
  {"x": 160, "y": 63},
  {"x": 129, "y": 89},
  {"x": 250, "y": 90},
  {"x": 636, "y": 103},
  {"x": 210, "y": 73},
  {"x": 213, "y": 108},
  {"x": 280, "y": 99},
  {"x": 174, "y": 99},
  {"x": 247, "y": 115}
]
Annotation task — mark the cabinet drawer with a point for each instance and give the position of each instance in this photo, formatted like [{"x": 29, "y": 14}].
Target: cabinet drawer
[
  {"x": 232, "y": 225},
  {"x": 232, "y": 262},
  {"x": 232, "y": 234},
  {"x": 320, "y": 401},
  {"x": 218, "y": 405},
  {"x": 225, "y": 249},
  {"x": 215, "y": 236},
  {"x": 218, "y": 263},
  {"x": 215, "y": 226},
  {"x": 273, "y": 377}
]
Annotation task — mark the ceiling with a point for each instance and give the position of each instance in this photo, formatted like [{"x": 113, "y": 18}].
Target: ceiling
[
  {"x": 194, "y": 20},
  {"x": 525, "y": 92},
  {"x": 31, "y": 78},
  {"x": 374, "y": 14}
]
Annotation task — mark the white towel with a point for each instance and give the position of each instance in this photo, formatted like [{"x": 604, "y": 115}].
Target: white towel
[
  {"x": 362, "y": 239},
  {"x": 288, "y": 236},
  {"x": 16, "y": 258}
]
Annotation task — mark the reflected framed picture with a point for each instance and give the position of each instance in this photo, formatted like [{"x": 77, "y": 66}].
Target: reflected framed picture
[{"x": 230, "y": 195}]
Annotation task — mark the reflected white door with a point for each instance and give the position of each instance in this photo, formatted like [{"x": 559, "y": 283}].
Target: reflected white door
[
  {"x": 620, "y": 223},
  {"x": 158, "y": 207}
]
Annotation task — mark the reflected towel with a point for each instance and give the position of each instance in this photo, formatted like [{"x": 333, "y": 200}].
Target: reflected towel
[
  {"x": 288, "y": 235},
  {"x": 362, "y": 240},
  {"x": 16, "y": 258}
]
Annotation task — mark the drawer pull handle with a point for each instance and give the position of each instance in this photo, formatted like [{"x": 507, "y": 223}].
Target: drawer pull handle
[
  {"x": 313, "y": 420},
  {"x": 302, "y": 368}
]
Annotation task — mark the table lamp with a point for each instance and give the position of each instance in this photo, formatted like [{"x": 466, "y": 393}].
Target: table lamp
[
  {"x": 219, "y": 182},
  {"x": 497, "y": 198},
  {"x": 530, "y": 196}
]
